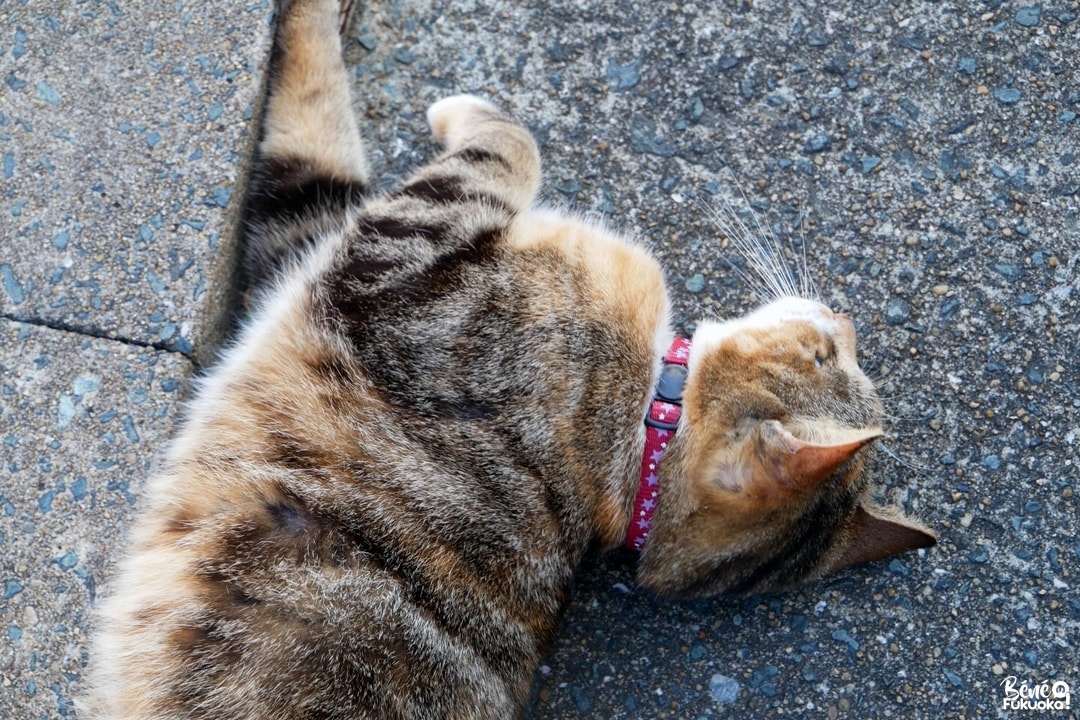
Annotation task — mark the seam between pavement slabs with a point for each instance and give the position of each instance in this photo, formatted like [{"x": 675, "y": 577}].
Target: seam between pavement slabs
[{"x": 98, "y": 335}]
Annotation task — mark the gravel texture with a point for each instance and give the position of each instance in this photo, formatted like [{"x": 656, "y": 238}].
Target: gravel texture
[
  {"x": 124, "y": 126},
  {"x": 80, "y": 419},
  {"x": 922, "y": 156}
]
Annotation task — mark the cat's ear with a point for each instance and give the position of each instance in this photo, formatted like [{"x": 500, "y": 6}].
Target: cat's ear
[
  {"x": 799, "y": 464},
  {"x": 873, "y": 535}
]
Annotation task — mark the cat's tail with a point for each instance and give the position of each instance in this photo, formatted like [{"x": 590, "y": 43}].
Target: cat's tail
[{"x": 310, "y": 162}]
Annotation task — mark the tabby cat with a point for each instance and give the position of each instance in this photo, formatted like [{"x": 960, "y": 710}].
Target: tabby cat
[{"x": 378, "y": 498}]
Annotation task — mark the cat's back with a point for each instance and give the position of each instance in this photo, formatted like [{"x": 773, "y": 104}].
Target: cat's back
[
  {"x": 282, "y": 565},
  {"x": 315, "y": 544}
]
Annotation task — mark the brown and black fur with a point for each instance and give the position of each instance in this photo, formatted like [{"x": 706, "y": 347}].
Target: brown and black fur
[{"x": 378, "y": 498}]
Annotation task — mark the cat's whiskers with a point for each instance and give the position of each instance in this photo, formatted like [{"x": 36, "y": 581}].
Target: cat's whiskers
[
  {"x": 909, "y": 464},
  {"x": 891, "y": 394},
  {"x": 760, "y": 254},
  {"x": 766, "y": 239},
  {"x": 901, "y": 396},
  {"x": 897, "y": 398},
  {"x": 893, "y": 418},
  {"x": 772, "y": 276},
  {"x": 753, "y": 281},
  {"x": 885, "y": 401},
  {"x": 711, "y": 314},
  {"x": 807, "y": 285}
]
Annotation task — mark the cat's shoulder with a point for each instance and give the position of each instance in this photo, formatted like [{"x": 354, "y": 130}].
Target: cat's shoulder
[
  {"x": 615, "y": 279},
  {"x": 588, "y": 243}
]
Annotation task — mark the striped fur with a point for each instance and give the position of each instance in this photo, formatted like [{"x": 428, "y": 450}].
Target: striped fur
[{"x": 378, "y": 498}]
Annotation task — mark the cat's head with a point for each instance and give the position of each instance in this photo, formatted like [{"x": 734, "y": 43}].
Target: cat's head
[{"x": 763, "y": 485}]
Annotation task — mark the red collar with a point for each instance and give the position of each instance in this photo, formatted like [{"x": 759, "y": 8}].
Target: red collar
[{"x": 660, "y": 424}]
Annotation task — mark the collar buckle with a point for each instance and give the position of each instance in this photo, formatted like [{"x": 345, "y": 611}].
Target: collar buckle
[{"x": 666, "y": 408}]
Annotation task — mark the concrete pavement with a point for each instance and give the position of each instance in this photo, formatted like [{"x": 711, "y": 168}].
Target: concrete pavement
[{"x": 924, "y": 154}]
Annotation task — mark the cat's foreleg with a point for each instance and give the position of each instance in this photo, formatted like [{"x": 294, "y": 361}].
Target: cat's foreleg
[
  {"x": 310, "y": 161},
  {"x": 465, "y": 198},
  {"x": 309, "y": 119},
  {"x": 495, "y": 153}
]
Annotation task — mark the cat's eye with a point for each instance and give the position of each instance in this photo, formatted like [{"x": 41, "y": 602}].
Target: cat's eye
[{"x": 824, "y": 354}]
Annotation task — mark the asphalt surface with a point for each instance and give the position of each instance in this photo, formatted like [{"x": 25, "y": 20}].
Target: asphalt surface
[{"x": 923, "y": 156}]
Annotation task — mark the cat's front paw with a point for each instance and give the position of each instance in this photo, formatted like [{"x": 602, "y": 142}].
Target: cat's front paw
[{"x": 452, "y": 118}]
